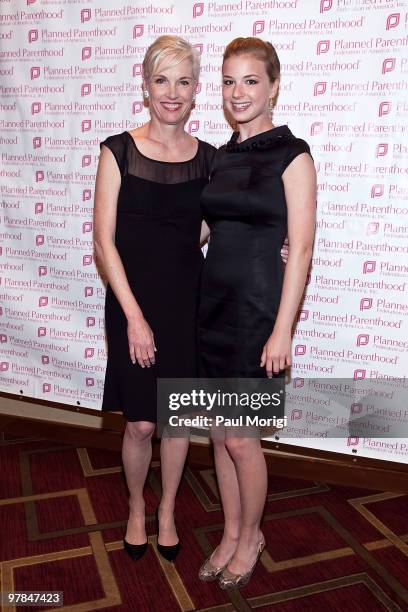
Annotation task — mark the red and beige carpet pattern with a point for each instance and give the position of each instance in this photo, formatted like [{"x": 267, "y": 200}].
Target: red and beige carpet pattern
[{"x": 63, "y": 513}]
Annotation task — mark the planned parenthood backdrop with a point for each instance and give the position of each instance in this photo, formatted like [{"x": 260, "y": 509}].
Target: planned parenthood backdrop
[{"x": 71, "y": 76}]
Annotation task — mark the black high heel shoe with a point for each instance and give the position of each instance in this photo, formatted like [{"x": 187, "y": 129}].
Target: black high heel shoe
[
  {"x": 168, "y": 552},
  {"x": 135, "y": 551}
]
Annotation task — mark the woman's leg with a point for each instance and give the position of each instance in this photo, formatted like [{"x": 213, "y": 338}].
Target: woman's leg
[
  {"x": 173, "y": 452},
  {"x": 230, "y": 499},
  {"x": 251, "y": 472},
  {"x": 136, "y": 457}
]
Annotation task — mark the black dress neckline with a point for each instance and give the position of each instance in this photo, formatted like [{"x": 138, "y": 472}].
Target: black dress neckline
[
  {"x": 161, "y": 161},
  {"x": 263, "y": 140}
]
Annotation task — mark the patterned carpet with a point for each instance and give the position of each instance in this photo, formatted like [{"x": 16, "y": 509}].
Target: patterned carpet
[{"x": 63, "y": 512}]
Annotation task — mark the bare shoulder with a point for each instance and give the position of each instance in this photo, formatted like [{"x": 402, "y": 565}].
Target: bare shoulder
[
  {"x": 139, "y": 133},
  {"x": 302, "y": 166}
]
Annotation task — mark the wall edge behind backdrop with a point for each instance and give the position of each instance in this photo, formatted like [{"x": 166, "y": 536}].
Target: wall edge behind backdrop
[{"x": 71, "y": 75}]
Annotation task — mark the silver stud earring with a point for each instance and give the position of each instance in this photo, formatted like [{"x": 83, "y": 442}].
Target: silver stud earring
[{"x": 145, "y": 93}]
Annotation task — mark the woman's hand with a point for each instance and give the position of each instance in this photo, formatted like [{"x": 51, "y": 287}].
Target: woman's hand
[
  {"x": 276, "y": 355},
  {"x": 141, "y": 342},
  {"x": 285, "y": 251}
]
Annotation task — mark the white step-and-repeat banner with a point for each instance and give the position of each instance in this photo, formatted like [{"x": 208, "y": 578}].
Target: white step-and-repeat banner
[{"x": 71, "y": 75}]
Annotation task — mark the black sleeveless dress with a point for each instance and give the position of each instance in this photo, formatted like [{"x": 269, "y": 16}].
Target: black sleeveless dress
[
  {"x": 244, "y": 205},
  {"x": 158, "y": 239}
]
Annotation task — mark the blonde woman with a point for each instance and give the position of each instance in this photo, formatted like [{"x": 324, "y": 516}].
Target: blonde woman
[
  {"x": 147, "y": 227},
  {"x": 262, "y": 187}
]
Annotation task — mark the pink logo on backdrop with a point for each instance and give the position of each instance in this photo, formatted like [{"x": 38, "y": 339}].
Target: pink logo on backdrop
[
  {"x": 88, "y": 291},
  {"x": 31, "y": 2},
  {"x": 42, "y": 270},
  {"x": 392, "y": 21},
  {"x": 89, "y": 352},
  {"x": 86, "y": 53},
  {"x": 377, "y": 190},
  {"x": 316, "y": 128},
  {"x": 4, "y": 366},
  {"x": 258, "y": 27},
  {"x": 362, "y": 339},
  {"x": 193, "y": 126},
  {"x": 87, "y": 260},
  {"x": 46, "y": 387},
  {"x": 86, "y": 125},
  {"x": 35, "y": 72},
  {"x": 138, "y": 30},
  {"x": 86, "y": 89},
  {"x": 298, "y": 382},
  {"x": 41, "y": 331},
  {"x": 35, "y": 108},
  {"x": 39, "y": 240},
  {"x": 356, "y": 408},
  {"x": 90, "y": 321},
  {"x": 369, "y": 266},
  {"x": 86, "y": 227},
  {"x": 90, "y": 382},
  {"x": 381, "y": 149},
  {"x": 366, "y": 303},
  {"x": 37, "y": 142},
  {"x": 296, "y": 414},
  {"x": 32, "y": 35},
  {"x": 303, "y": 315},
  {"x": 198, "y": 9},
  {"x": 3, "y": 338},
  {"x": 320, "y": 88},
  {"x": 352, "y": 441},
  {"x": 137, "y": 69},
  {"x": 372, "y": 228},
  {"x": 300, "y": 349},
  {"x": 39, "y": 176},
  {"x": 137, "y": 107},
  {"x": 384, "y": 108},
  {"x": 86, "y": 195},
  {"x": 86, "y": 160},
  {"x": 199, "y": 47},
  {"x": 45, "y": 359},
  {"x": 38, "y": 207},
  {"x": 388, "y": 65},
  {"x": 325, "y": 5},
  {"x": 43, "y": 300},
  {"x": 322, "y": 46},
  {"x": 86, "y": 15}
]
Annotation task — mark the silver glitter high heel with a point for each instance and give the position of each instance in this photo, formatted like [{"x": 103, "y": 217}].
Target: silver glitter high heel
[
  {"x": 209, "y": 572},
  {"x": 229, "y": 580}
]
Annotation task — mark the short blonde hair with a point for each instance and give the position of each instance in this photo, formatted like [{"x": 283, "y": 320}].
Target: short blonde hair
[{"x": 170, "y": 50}]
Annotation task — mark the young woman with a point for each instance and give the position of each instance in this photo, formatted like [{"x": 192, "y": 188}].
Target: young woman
[
  {"x": 262, "y": 187},
  {"x": 147, "y": 225}
]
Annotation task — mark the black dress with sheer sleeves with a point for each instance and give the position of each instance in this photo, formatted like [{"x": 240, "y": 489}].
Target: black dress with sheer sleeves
[
  {"x": 245, "y": 207},
  {"x": 158, "y": 239}
]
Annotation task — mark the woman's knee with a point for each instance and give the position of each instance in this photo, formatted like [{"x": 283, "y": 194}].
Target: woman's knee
[
  {"x": 139, "y": 430},
  {"x": 238, "y": 447}
]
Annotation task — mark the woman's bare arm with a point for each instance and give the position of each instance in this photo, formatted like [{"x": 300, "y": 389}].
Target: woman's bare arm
[
  {"x": 107, "y": 187},
  {"x": 299, "y": 181}
]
